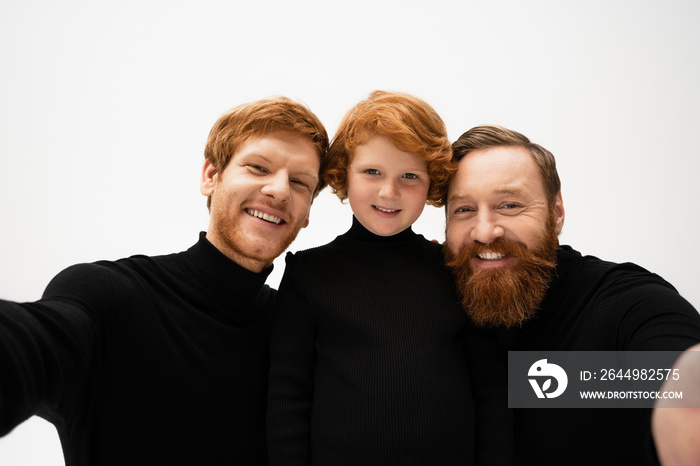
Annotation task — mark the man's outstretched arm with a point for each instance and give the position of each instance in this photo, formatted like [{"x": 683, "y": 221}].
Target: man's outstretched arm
[
  {"x": 676, "y": 422},
  {"x": 48, "y": 347}
]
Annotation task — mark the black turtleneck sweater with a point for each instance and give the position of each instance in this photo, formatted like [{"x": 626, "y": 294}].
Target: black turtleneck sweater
[
  {"x": 144, "y": 361},
  {"x": 367, "y": 357},
  {"x": 591, "y": 305}
]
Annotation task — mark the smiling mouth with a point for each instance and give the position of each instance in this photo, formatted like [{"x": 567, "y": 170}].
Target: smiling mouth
[
  {"x": 264, "y": 216},
  {"x": 389, "y": 211},
  {"x": 490, "y": 256}
]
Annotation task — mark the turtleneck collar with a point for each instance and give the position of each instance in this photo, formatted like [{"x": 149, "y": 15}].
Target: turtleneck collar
[
  {"x": 224, "y": 275},
  {"x": 358, "y": 232}
]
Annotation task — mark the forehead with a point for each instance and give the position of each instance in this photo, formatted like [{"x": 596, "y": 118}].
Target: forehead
[
  {"x": 282, "y": 147},
  {"x": 379, "y": 149},
  {"x": 497, "y": 169}
]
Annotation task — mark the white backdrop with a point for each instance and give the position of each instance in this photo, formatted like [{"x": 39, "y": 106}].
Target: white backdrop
[{"x": 105, "y": 108}]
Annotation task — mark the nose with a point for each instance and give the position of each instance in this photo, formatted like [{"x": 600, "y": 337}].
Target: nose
[
  {"x": 277, "y": 186},
  {"x": 388, "y": 189},
  {"x": 486, "y": 230}
]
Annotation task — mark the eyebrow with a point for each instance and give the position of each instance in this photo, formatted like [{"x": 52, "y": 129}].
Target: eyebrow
[
  {"x": 457, "y": 197},
  {"x": 312, "y": 176},
  {"x": 379, "y": 166},
  {"x": 260, "y": 155},
  {"x": 511, "y": 190}
]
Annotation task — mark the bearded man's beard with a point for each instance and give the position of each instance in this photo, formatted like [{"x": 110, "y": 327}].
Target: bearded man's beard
[{"x": 510, "y": 295}]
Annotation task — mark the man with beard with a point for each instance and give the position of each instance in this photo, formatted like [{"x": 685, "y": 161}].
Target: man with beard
[
  {"x": 524, "y": 292},
  {"x": 164, "y": 360}
]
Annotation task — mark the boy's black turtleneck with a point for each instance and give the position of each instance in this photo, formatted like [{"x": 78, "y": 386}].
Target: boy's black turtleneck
[
  {"x": 358, "y": 232},
  {"x": 367, "y": 360}
]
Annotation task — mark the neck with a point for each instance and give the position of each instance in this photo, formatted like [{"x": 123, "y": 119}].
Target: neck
[
  {"x": 359, "y": 232},
  {"x": 248, "y": 263}
]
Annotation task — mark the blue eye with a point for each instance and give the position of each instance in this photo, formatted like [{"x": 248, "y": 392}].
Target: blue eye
[
  {"x": 410, "y": 176},
  {"x": 372, "y": 171}
]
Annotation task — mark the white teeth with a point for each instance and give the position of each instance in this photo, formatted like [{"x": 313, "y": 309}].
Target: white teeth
[
  {"x": 264, "y": 216},
  {"x": 386, "y": 210},
  {"x": 491, "y": 256}
]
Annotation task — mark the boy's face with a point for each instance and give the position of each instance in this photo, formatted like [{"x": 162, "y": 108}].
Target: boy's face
[{"x": 387, "y": 188}]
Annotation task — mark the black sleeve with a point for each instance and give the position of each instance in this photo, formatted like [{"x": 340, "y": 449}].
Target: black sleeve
[
  {"x": 291, "y": 374},
  {"x": 655, "y": 317},
  {"x": 47, "y": 348}
]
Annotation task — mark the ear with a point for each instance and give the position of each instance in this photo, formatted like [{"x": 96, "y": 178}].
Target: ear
[
  {"x": 306, "y": 222},
  {"x": 559, "y": 213},
  {"x": 209, "y": 178}
]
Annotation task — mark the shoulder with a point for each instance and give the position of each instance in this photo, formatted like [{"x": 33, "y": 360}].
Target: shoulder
[
  {"x": 316, "y": 256},
  {"x": 625, "y": 279},
  {"x": 86, "y": 276},
  {"x": 104, "y": 280},
  {"x": 312, "y": 253},
  {"x": 608, "y": 276},
  {"x": 432, "y": 247},
  {"x": 348, "y": 247},
  {"x": 314, "y": 265},
  {"x": 645, "y": 311}
]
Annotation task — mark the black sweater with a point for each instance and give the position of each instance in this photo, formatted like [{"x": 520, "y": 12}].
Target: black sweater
[
  {"x": 592, "y": 305},
  {"x": 367, "y": 357},
  {"x": 144, "y": 361}
]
